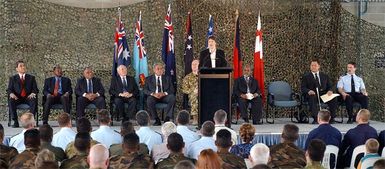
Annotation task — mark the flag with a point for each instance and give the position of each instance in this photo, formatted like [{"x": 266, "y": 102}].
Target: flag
[
  {"x": 121, "y": 50},
  {"x": 188, "y": 46},
  {"x": 258, "y": 59},
  {"x": 140, "y": 56},
  {"x": 237, "y": 57},
  {"x": 210, "y": 30},
  {"x": 168, "y": 54}
]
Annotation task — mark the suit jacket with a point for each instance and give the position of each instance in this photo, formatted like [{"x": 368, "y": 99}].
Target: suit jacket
[
  {"x": 381, "y": 140},
  {"x": 205, "y": 60},
  {"x": 116, "y": 86},
  {"x": 240, "y": 86},
  {"x": 326, "y": 133},
  {"x": 309, "y": 83},
  {"x": 150, "y": 85},
  {"x": 49, "y": 85},
  {"x": 81, "y": 86},
  {"x": 14, "y": 85}
]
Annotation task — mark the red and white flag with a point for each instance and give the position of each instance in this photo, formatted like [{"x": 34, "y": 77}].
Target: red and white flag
[{"x": 259, "y": 73}]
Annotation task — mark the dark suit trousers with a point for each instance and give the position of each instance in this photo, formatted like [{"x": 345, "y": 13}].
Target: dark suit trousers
[
  {"x": 169, "y": 100},
  {"x": 82, "y": 103},
  {"x": 314, "y": 107},
  {"x": 256, "y": 108},
  {"x": 119, "y": 103},
  {"x": 356, "y": 97},
  {"x": 51, "y": 100},
  {"x": 13, "y": 103}
]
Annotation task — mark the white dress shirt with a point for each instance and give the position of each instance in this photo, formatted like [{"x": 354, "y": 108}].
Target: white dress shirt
[
  {"x": 106, "y": 136},
  {"x": 17, "y": 141},
  {"x": 156, "y": 83},
  {"x": 196, "y": 147},
  {"x": 233, "y": 133},
  {"x": 149, "y": 137},
  {"x": 213, "y": 58},
  {"x": 345, "y": 82},
  {"x": 63, "y": 137},
  {"x": 160, "y": 152},
  {"x": 188, "y": 135}
]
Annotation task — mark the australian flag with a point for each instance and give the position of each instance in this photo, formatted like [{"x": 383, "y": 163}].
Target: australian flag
[
  {"x": 210, "y": 30},
  {"x": 188, "y": 46},
  {"x": 168, "y": 54},
  {"x": 121, "y": 51}
]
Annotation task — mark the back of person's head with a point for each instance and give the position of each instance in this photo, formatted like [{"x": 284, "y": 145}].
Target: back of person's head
[
  {"x": 48, "y": 165},
  {"x": 372, "y": 145},
  {"x": 379, "y": 164},
  {"x": 175, "y": 143},
  {"x": 46, "y": 133},
  {"x": 83, "y": 125},
  {"x": 44, "y": 156},
  {"x": 103, "y": 117},
  {"x": 27, "y": 120},
  {"x": 363, "y": 116},
  {"x": 142, "y": 118},
  {"x": 98, "y": 156},
  {"x": 126, "y": 128},
  {"x": 208, "y": 159},
  {"x": 290, "y": 132},
  {"x": 168, "y": 128},
  {"x": 316, "y": 149},
  {"x": 184, "y": 164},
  {"x": 82, "y": 141},
  {"x": 259, "y": 154},
  {"x": 183, "y": 117},
  {"x": 32, "y": 138},
  {"x": 324, "y": 115},
  {"x": 208, "y": 129},
  {"x": 64, "y": 119},
  {"x": 1, "y": 133},
  {"x": 131, "y": 142},
  {"x": 223, "y": 139},
  {"x": 247, "y": 132},
  {"x": 220, "y": 117},
  {"x": 261, "y": 166}
]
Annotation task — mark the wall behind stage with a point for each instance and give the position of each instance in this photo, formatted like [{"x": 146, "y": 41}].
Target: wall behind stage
[{"x": 44, "y": 34}]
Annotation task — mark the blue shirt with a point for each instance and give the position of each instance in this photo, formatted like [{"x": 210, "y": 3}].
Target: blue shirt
[
  {"x": 241, "y": 150},
  {"x": 327, "y": 133},
  {"x": 345, "y": 82}
]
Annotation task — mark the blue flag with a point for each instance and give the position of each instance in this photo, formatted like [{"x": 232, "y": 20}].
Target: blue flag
[
  {"x": 168, "y": 54},
  {"x": 140, "y": 55},
  {"x": 210, "y": 29},
  {"x": 121, "y": 50}
]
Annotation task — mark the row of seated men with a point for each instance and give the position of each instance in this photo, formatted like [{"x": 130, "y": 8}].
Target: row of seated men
[{"x": 232, "y": 153}]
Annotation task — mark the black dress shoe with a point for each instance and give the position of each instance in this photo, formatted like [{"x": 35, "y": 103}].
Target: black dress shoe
[
  {"x": 246, "y": 120},
  {"x": 314, "y": 122},
  {"x": 45, "y": 122},
  {"x": 167, "y": 119},
  {"x": 257, "y": 122},
  {"x": 157, "y": 122},
  {"x": 15, "y": 124},
  {"x": 350, "y": 121},
  {"x": 332, "y": 121}
]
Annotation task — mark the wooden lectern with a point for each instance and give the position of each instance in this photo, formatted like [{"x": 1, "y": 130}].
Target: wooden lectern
[{"x": 214, "y": 93}]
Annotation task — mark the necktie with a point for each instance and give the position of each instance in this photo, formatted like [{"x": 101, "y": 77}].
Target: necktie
[
  {"x": 317, "y": 80},
  {"x": 247, "y": 84},
  {"x": 56, "y": 89},
  {"x": 159, "y": 85},
  {"x": 353, "y": 85},
  {"x": 23, "y": 92},
  {"x": 124, "y": 84},
  {"x": 90, "y": 87}
]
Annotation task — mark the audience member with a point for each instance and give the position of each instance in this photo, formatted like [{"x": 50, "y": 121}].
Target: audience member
[
  {"x": 46, "y": 133},
  {"x": 98, "y": 157},
  {"x": 6, "y": 153},
  {"x": 208, "y": 159},
  {"x": 44, "y": 155},
  {"x": 27, "y": 122},
  {"x": 82, "y": 145},
  {"x": 65, "y": 135},
  {"x": 220, "y": 118},
  {"x": 259, "y": 154},
  {"x": 223, "y": 144},
  {"x": 147, "y": 135},
  {"x": 315, "y": 154},
  {"x": 160, "y": 151},
  {"x": 105, "y": 134},
  {"x": 246, "y": 132},
  {"x": 26, "y": 159},
  {"x": 371, "y": 154},
  {"x": 83, "y": 125},
  {"x": 205, "y": 142}
]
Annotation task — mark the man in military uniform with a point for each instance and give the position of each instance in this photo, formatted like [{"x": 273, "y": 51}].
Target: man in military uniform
[
  {"x": 46, "y": 134},
  {"x": 26, "y": 159},
  {"x": 287, "y": 154},
  {"x": 190, "y": 87},
  {"x": 175, "y": 144},
  {"x": 6, "y": 153},
  {"x": 223, "y": 143},
  {"x": 79, "y": 160},
  {"x": 83, "y": 125},
  {"x": 131, "y": 158}
]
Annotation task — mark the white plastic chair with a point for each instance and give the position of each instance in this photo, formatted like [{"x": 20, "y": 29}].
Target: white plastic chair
[
  {"x": 330, "y": 149},
  {"x": 383, "y": 152},
  {"x": 369, "y": 162},
  {"x": 358, "y": 150}
]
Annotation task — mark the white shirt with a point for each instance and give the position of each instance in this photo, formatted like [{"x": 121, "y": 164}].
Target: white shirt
[
  {"x": 345, "y": 82},
  {"x": 156, "y": 79},
  {"x": 63, "y": 137},
  {"x": 17, "y": 141},
  {"x": 149, "y": 137},
  {"x": 212, "y": 58},
  {"x": 188, "y": 135},
  {"x": 317, "y": 73},
  {"x": 160, "y": 151},
  {"x": 233, "y": 133},
  {"x": 106, "y": 136},
  {"x": 196, "y": 147}
]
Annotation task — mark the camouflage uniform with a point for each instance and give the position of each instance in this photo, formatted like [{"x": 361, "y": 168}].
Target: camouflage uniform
[
  {"x": 314, "y": 165},
  {"x": 234, "y": 161},
  {"x": 71, "y": 150},
  {"x": 6, "y": 155},
  {"x": 59, "y": 153},
  {"x": 171, "y": 161},
  {"x": 190, "y": 83},
  {"x": 26, "y": 159},
  {"x": 133, "y": 160},
  {"x": 79, "y": 161},
  {"x": 116, "y": 149},
  {"x": 287, "y": 155}
]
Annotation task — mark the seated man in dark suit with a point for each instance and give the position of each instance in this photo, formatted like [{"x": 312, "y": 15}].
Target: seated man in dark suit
[
  {"x": 212, "y": 57},
  {"x": 57, "y": 90},
  {"x": 381, "y": 140},
  {"x": 315, "y": 84},
  {"x": 89, "y": 89},
  {"x": 22, "y": 89},
  {"x": 124, "y": 90},
  {"x": 159, "y": 89},
  {"x": 355, "y": 137},
  {"x": 246, "y": 86}
]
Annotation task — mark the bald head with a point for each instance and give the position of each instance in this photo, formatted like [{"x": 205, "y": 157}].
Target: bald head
[
  {"x": 363, "y": 116},
  {"x": 98, "y": 157}
]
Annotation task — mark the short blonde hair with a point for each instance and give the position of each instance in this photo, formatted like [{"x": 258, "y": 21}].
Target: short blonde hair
[
  {"x": 42, "y": 156},
  {"x": 364, "y": 115},
  {"x": 27, "y": 120},
  {"x": 168, "y": 128},
  {"x": 372, "y": 145}
]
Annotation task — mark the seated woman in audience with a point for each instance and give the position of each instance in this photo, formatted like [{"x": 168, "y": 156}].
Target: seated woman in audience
[
  {"x": 246, "y": 132},
  {"x": 208, "y": 159},
  {"x": 160, "y": 151}
]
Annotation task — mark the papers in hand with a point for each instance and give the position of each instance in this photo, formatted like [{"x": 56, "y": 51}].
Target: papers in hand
[
  {"x": 325, "y": 98},
  {"x": 249, "y": 96}
]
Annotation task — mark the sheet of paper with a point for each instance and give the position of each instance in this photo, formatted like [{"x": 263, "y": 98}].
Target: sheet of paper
[{"x": 325, "y": 98}]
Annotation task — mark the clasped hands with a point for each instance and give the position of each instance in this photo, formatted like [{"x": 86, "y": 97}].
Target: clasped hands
[
  {"x": 31, "y": 96},
  {"x": 158, "y": 95},
  {"x": 125, "y": 94}
]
